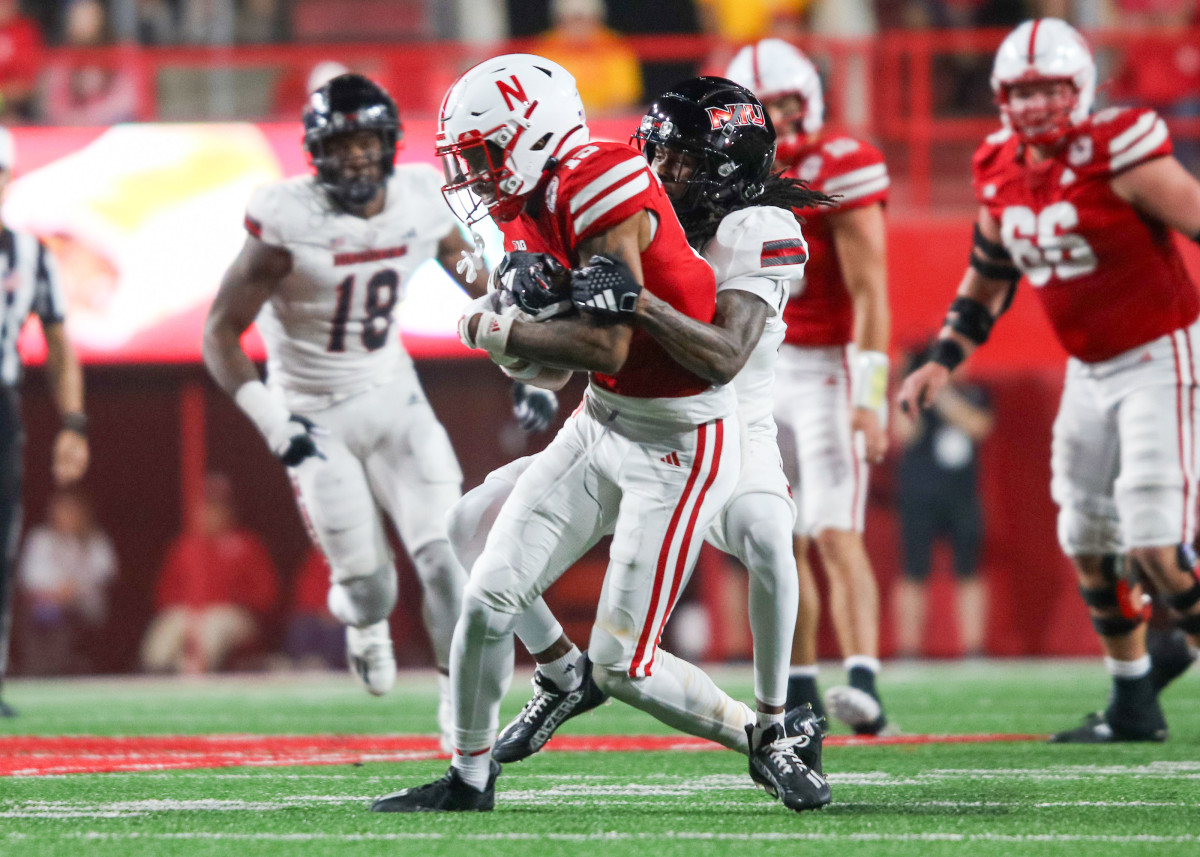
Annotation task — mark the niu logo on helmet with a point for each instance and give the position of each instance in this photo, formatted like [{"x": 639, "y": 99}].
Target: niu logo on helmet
[{"x": 736, "y": 114}]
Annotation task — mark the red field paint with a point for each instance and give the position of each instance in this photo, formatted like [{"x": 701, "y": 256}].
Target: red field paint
[{"x": 83, "y": 754}]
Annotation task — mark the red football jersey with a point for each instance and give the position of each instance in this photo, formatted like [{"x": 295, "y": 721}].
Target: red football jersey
[
  {"x": 853, "y": 171},
  {"x": 1109, "y": 277},
  {"x": 593, "y": 188}
]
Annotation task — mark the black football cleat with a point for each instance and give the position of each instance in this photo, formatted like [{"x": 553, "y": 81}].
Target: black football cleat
[
  {"x": 808, "y": 730},
  {"x": 7, "y": 710},
  {"x": 1103, "y": 728},
  {"x": 775, "y": 765},
  {"x": 544, "y": 713},
  {"x": 449, "y": 794}
]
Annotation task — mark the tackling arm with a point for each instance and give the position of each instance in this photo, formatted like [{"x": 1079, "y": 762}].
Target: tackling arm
[
  {"x": 583, "y": 343},
  {"x": 715, "y": 352}
]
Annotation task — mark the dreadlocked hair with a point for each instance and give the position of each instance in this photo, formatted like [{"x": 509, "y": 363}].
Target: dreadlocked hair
[{"x": 776, "y": 191}]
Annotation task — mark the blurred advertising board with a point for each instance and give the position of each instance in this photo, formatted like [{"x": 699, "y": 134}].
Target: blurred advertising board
[{"x": 145, "y": 218}]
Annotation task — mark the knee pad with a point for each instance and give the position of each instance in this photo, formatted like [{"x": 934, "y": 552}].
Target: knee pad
[
  {"x": 614, "y": 681},
  {"x": 436, "y": 566},
  {"x": 482, "y": 621},
  {"x": 467, "y": 525},
  {"x": 1088, "y": 527},
  {"x": 1184, "y": 601},
  {"x": 1116, "y": 593},
  {"x": 362, "y": 601},
  {"x": 1150, "y": 515}
]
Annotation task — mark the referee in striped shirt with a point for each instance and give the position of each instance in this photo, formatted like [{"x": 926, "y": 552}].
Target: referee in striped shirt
[{"x": 30, "y": 287}]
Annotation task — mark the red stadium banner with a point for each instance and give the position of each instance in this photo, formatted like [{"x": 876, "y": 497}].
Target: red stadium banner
[{"x": 144, "y": 219}]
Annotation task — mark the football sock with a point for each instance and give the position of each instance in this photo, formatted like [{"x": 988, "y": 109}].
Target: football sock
[
  {"x": 481, "y": 658},
  {"x": 564, "y": 671},
  {"x": 1132, "y": 687},
  {"x": 860, "y": 671},
  {"x": 802, "y": 688},
  {"x": 760, "y": 526},
  {"x": 765, "y": 721},
  {"x": 474, "y": 770}
]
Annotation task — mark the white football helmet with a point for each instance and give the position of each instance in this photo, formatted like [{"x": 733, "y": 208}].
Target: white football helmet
[
  {"x": 1045, "y": 49},
  {"x": 499, "y": 126},
  {"x": 772, "y": 68}
]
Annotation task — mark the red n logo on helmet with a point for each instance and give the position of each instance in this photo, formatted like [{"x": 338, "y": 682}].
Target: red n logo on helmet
[{"x": 515, "y": 91}]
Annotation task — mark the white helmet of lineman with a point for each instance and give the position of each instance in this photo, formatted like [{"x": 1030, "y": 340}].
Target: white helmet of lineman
[
  {"x": 499, "y": 126},
  {"x": 1045, "y": 49},
  {"x": 773, "y": 69}
]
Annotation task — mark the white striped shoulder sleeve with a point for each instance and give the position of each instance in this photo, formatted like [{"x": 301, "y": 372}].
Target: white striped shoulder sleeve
[
  {"x": 607, "y": 198},
  {"x": 1145, "y": 138}
]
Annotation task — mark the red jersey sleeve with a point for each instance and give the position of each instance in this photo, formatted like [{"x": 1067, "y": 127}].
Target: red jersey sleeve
[
  {"x": 852, "y": 171},
  {"x": 1120, "y": 139},
  {"x": 987, "y": 161},
  {"x": 598, "y": 186}
]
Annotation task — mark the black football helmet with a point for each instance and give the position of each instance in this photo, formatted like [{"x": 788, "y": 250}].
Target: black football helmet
[
  {"x": 349, "y": 103},
  {"x": 725, "y": 128}
]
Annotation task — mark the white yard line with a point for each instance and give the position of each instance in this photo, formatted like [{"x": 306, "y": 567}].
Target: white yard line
[{"x": 616, "y": 837}]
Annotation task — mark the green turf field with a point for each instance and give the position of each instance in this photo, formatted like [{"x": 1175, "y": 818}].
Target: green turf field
[{"x": 1005, "y": 798}]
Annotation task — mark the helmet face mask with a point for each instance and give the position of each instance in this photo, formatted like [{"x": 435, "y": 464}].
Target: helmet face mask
[
  {"x": 1044, "y": 80},
  {"x": 1039, "y": 110},
  {"x": 342, "y": 121},
  {"x": 501, "y": 125},
  {"x": 479, "y": 180},
  {"x": 711, "y": 143}
]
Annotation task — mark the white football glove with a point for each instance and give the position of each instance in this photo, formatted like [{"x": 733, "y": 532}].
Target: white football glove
[{"x": 471, "y": 262}]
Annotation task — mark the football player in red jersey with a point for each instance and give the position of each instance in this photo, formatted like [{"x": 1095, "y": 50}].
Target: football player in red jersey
[
  {"x": 651, "y": 455},
  {"x": 1083, "y": 206},
  {"x": 831, "y": 391}
]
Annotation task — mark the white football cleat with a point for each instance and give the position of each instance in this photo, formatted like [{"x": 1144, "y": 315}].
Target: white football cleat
[
  {"x": 858, "y": 710},
  {"x": 369, "y": 651}
]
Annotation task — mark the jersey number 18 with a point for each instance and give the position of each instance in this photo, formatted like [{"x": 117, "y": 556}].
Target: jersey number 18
[{"x": 383, "y": 290}]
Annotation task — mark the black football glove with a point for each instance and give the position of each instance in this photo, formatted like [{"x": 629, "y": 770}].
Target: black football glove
[
  {"x": 300, "y": 443},
  {"x": 605, "y": 287},
  {"x": 533, "y": 407},
  {"x": 538, "y": 283}
]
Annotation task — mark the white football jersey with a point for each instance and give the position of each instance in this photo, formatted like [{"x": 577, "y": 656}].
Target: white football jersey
[
  {"x": 760, "y": 250},
  {"x": 328, "y": 328}
]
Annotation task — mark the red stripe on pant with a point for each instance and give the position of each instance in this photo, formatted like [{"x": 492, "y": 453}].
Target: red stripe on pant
[{"x": 651, "y": 630}]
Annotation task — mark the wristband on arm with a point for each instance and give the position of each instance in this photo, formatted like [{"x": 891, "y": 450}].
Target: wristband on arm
[
  {"x": 75, "y": 421},
  {"x": 948, "y": 353},
  {"x": 870, "y": 382}
]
